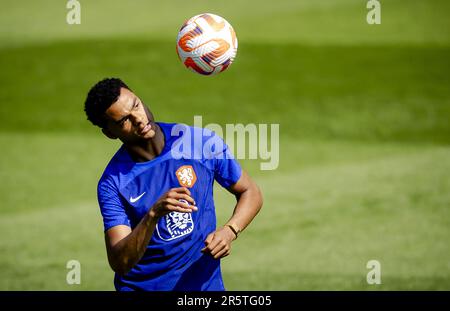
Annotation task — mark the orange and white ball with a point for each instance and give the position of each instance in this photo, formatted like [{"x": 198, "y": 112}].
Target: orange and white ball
[{"x": 207, "y": 44}]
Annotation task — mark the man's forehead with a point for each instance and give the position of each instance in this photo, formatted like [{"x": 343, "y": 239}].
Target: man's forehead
[
  {"x": 122, "y": 105},
  {"x": 125, "y": 97}
]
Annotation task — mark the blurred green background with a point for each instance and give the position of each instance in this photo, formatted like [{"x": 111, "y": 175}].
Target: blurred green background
[{"x": 364, "y": 116}]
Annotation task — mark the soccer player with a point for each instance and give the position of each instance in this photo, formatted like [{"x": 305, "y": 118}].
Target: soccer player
[{"x": 156, "y": 196}]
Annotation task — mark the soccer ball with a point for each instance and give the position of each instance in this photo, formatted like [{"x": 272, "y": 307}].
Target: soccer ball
[{"x": 207, "y": 44}]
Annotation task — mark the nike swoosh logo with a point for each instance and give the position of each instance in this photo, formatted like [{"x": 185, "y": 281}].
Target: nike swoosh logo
[{"x": 132, "y": 200}]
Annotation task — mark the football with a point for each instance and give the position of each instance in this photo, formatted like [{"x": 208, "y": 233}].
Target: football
[{"x": 207, "y": 44}]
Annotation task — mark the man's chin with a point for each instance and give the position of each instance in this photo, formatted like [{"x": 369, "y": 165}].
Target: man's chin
[{"x": 150, "y": 134}]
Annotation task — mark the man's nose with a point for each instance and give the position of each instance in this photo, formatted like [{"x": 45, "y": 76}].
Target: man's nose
[{"x": 137, "y": 120}]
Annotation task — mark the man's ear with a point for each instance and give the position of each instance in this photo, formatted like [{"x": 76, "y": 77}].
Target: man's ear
[{"x": 108, "y": 133}]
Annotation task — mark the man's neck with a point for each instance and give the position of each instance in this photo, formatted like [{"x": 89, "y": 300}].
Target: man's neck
[{"x": 148, "y": 149}]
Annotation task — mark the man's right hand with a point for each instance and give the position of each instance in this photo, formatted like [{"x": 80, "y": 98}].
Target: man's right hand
[
  {"x": 170, "y": 202},
  {"x": 125, "y": 247}
]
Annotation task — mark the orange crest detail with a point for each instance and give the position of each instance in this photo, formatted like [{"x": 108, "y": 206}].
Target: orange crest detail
[{"x": 186, "y": 176}]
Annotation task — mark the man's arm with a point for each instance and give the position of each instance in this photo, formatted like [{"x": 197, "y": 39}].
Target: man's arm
[
  {"x": 249, "y": 202},
  {"x": 125, "y": 247}
]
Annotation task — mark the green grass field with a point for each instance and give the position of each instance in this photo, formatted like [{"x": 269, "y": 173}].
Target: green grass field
[{"x": 364, "y": 136}]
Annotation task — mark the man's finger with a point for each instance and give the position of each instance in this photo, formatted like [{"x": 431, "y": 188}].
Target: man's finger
[
  {"x": 181, "y": 204},
  {"x": 212, "y": 245},
  {"x": 175, "y": 208},
  {"x": 181, "y": 190},
  {"x": 208, "y": 240},
  {"x": 184, "y": 197},
  {"x": 218, "y": 248},
  {"x": 223, "y": 253}
]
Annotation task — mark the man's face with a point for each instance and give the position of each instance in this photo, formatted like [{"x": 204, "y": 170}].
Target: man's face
[{"x": 129, "y": 119}]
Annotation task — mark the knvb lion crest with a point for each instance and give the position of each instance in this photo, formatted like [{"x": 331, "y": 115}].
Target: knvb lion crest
[
  {"x": 186, "y": 176},
  {"x": 175, "y": 225}
]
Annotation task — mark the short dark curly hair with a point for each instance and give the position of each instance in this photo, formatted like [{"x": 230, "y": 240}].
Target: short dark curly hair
[{"x": 100, "y": 97}]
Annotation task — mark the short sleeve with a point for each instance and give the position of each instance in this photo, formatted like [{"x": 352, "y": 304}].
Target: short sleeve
[
  {"x": 111, "y": 207},
  {"x": 227, "y": 170}
]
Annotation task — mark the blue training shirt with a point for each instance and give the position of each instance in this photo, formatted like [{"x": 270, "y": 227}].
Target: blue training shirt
[{"x": 191, "y": 157}]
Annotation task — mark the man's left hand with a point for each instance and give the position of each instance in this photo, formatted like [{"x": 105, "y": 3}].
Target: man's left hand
[{"x": 218, "y": 243}]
